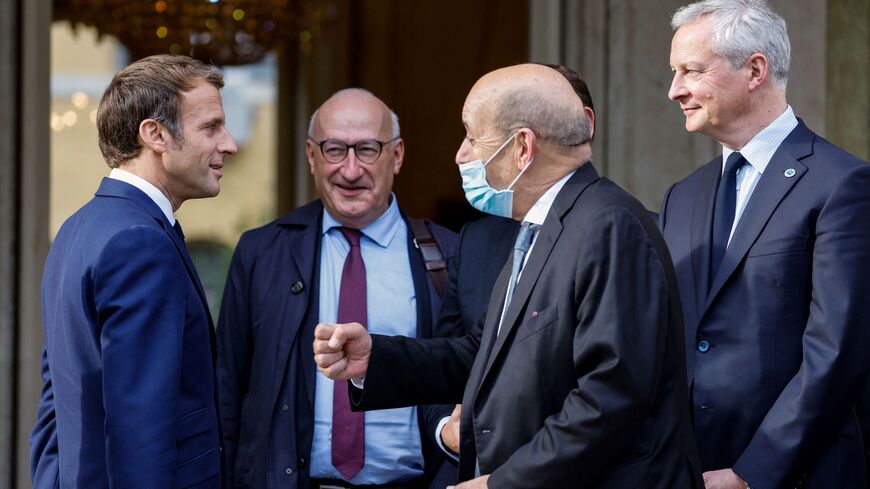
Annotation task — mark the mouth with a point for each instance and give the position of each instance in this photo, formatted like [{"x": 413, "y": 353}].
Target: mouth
[
  {"x": 217, "y": 168},
  {"x": 689, "y": 110},
  {"x": 350, "y": 190}
]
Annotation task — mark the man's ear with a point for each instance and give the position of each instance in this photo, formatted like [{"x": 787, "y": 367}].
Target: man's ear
[
  {"x": 759, "y": 70},
  {"x": 154, "y": 136},
  {"x": 590, "y": 114},
  {"x": 525, "y": 147},
  {"x": 310, "y": 148},
  {"x": 398, "y": 155}
]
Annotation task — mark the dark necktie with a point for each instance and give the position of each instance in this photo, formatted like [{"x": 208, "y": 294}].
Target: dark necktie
[
  {"x": 723, "y": 212},
  {"x": 348, "y": 428},
  {"x": 521, "y": 247}
]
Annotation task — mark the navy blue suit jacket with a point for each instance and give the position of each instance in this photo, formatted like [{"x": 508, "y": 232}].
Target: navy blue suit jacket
[
  {"x": 484, "y": 247},
  {"x": 266, "y": 362},
  {"x": 128, "y": 398},
  {"x": 786, "y": 323}
]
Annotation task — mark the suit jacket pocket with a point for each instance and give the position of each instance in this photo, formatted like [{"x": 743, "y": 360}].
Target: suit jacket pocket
[
  {"x": 197, "y": 457},
  {"x": 777, "y": 246},
  {"x": 198, "y": 469},
  {"x": 537, "y": 321}
]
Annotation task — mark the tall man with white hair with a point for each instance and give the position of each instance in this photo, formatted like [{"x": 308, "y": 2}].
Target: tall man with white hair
[
  {"x": 772, "y": 251},
  {"x": 349, "y": 255}
]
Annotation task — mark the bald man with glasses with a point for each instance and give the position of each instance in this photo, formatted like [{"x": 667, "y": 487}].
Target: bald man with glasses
[{"x": 349, "y": 254}]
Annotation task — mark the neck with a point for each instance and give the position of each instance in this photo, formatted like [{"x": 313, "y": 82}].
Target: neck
[
  {"x": 767, "y": 107},
  {"x": 148, "y": 168},
  {"x": 547, "y": 169}
]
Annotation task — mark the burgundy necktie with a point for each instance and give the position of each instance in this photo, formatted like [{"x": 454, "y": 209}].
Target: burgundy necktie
[{"x": 348, "y": 428}]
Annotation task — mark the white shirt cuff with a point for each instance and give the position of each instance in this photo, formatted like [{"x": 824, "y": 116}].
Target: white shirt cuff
[
  {"x": 440, "y": 443},
  {"x": 358, "y": 382}
]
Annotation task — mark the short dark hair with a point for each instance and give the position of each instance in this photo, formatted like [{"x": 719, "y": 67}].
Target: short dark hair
[
  {"x": 577, "y": 83},
  {"x": 147, "y": 89}
]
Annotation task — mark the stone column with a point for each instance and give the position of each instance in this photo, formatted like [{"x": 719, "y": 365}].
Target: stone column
[
  {"x": 848, "y": 75},
  {"x": 24, "y": 167}
]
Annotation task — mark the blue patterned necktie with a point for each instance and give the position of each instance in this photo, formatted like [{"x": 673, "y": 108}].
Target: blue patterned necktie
[{"x": 521, "y": 247}]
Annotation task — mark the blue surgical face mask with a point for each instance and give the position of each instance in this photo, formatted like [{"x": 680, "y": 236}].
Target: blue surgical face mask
[{"x": 480, "y": 194}]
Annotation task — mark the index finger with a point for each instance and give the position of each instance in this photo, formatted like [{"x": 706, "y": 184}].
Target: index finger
[{"x": 324, "y": 331}]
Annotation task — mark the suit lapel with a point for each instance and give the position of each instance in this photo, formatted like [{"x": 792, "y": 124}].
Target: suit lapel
[
  {"x": 540, "y": 252},
  {"x": 772, "y": 187},
  {"x": 303, "y": 242},
  {"x": 702, "y": 221},
  {"x": 531, "y": 272},
  {"x": 488, "y": 338}
]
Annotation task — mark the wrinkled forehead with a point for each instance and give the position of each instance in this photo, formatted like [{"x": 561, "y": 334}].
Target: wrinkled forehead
[{"x": 479, "y": 107}]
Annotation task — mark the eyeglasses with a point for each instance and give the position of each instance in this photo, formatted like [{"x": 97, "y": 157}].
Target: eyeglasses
[{"x": 367, "y": 150}]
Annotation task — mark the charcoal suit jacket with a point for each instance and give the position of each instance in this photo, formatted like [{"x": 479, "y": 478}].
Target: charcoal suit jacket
[{"x": 585, "y": 384}]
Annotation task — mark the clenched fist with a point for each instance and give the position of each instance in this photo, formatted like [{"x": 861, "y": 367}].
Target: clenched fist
[{"x": 342, "y": 351}]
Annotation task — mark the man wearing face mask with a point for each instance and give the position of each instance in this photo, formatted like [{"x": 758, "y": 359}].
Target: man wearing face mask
[
  {"x": 484, "y": 247},
  {"x": 575, "y": 376}
]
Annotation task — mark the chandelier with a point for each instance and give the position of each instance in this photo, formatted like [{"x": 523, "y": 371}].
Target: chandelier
[{"x": 222, "y": 32}]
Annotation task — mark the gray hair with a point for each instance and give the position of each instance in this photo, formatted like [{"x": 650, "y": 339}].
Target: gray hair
[
  {"x": 547, "y": 118},
  {"x": 742, "y": 28},
  {"x": 394, "y": 119}
]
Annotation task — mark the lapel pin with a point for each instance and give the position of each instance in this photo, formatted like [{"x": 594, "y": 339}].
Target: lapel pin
[
  {"x": 789, "y": 173},
  {"x": 534, "y": 314}
]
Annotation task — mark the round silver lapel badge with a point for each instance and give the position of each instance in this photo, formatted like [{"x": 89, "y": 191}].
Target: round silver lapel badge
[{"x": 789, "y": 173}]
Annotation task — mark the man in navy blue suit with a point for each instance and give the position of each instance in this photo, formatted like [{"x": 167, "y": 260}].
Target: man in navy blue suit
[
  {"x": 129, "y": 395},
  {"x": 284, "y": 425},
  {"x": 772, "y": 252}
]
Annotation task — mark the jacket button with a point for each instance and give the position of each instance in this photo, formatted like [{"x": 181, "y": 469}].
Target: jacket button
[
  {"x": 285, "y": 408},
  {"x": 302, "y": 462},
  {"x": 297, "y": 287},
  {"x": 703, "y": 346},
  {"x": 288, "y": 471}
]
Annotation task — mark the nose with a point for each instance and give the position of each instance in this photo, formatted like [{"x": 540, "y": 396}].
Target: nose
[
  {"x": 463, "y": 153},
  {"x": 678, "y": 88},
  {"x": 351, "y": 168},
  {"x": 228, "y": 145}
]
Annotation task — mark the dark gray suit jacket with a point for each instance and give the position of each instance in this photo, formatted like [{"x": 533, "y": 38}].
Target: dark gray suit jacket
[{"x": 585, "y": 385}]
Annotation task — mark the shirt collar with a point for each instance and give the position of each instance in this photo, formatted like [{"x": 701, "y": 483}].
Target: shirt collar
[
  {"x": 760, "y": 149},
  {"x": 381, "y": 231},
  {"x": 538, "y": 213},
  {"x": 149, "y": 189}
]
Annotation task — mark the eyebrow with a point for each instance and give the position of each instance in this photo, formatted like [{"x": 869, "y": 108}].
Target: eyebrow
[{"x": 214, "y": 120}]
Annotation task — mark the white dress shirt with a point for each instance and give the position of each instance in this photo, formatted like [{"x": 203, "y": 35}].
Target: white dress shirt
[
  {"x": 149, "y": 189},
  {"x": 758, "y": 152}
]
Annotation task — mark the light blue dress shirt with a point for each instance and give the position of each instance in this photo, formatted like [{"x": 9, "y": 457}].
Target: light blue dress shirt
[
  {"x": 758, "y": 153},
  {"x": 392, "y": 436}
]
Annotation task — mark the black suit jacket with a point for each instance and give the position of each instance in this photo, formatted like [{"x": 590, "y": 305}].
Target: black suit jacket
[
  {"x": 585, "y": 385},
  {"x": 787, "y": 318},
  {"x": 266, "y": 362}
]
